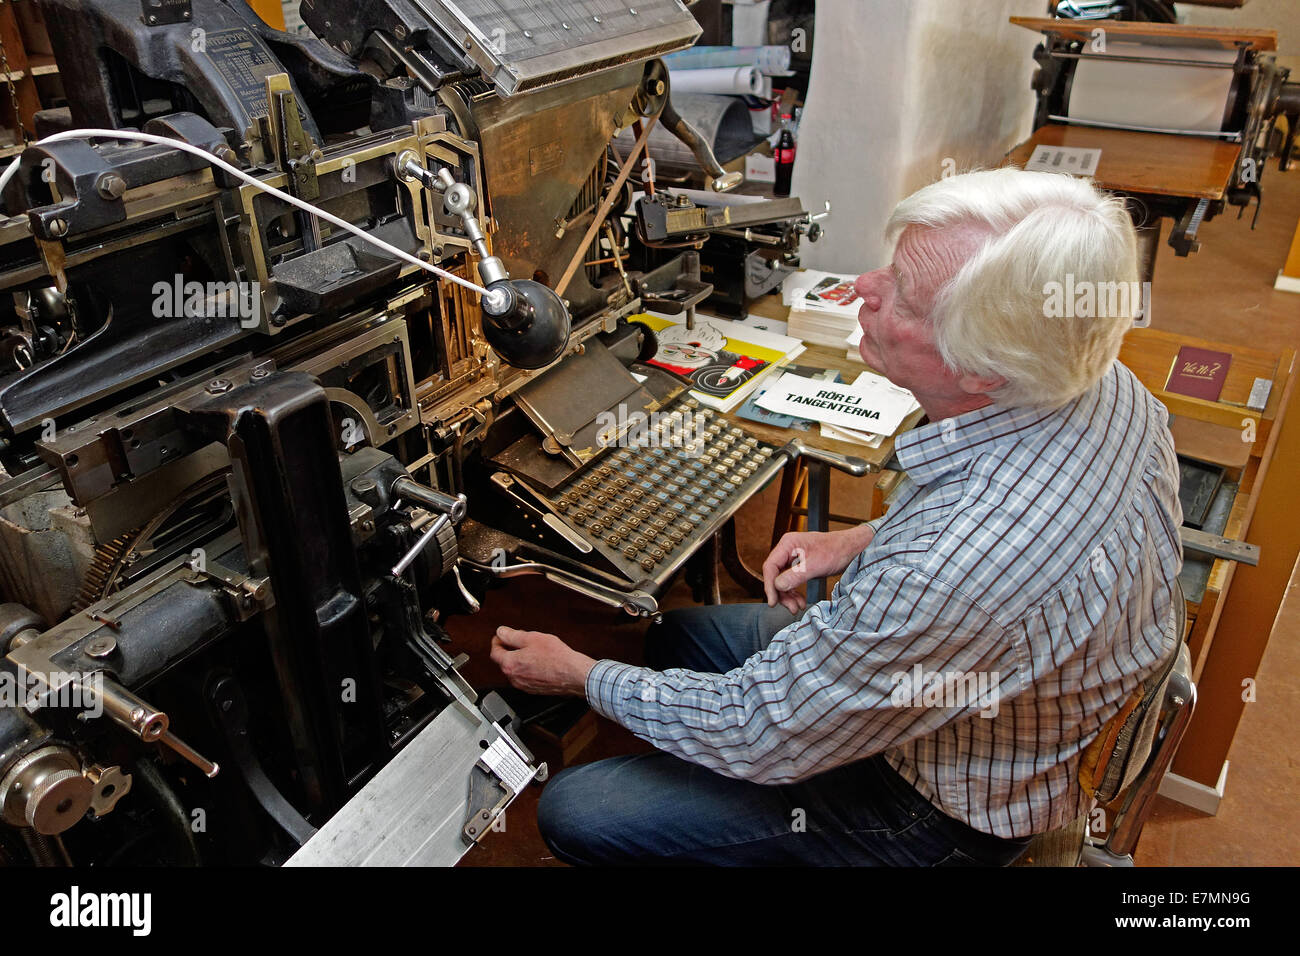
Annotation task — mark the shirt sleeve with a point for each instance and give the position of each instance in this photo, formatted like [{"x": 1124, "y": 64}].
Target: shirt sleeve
[{"x": 892, "y": 657}]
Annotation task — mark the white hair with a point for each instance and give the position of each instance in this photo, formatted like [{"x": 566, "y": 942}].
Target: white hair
[{"x": 1009, "y": 311}]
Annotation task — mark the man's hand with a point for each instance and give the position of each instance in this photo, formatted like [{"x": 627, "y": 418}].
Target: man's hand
[
  {"x": 801, "y": 555},
  {"x": 540, "y": 663}
]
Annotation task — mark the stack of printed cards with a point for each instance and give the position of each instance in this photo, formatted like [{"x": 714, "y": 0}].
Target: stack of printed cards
[{"x": 872, "y": 406}]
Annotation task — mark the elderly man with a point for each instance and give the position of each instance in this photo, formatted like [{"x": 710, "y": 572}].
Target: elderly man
[{"x": 934, "y": 710}]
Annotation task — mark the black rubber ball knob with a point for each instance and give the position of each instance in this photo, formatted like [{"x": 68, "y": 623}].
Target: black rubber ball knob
[{"x": 530, "y": 328}]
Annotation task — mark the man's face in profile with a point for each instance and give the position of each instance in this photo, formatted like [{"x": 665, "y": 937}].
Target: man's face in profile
[{"x": 897, "y": 333}]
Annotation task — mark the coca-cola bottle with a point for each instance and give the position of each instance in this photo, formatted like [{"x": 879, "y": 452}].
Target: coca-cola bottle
[{"x": 784, "y": 154}]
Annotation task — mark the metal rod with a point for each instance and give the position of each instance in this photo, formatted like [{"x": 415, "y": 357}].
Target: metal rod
[
  {"x": 1230, "y": 136},
  {"x": 451, "y": 505},
  {"x": 608, "y": 203},
  {"x": 1122, "y": 58},
  {"x": 124, "y": 708},
  {"x": 400, "y": 567},
  {"x": 183, "y": 749}
]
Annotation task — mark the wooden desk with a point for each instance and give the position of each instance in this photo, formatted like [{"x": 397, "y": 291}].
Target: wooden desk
[
  {"x": 1225, "y": 433},
  {"x": 1167, "y": 33},
  {"x": 1159, "y": 164},
  {"x": 1231, "y": 623},
  {"x": 1210, "y": 431}
]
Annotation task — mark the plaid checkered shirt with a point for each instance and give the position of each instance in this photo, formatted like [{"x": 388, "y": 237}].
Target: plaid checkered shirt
[{"x": 1012, "y": 599}]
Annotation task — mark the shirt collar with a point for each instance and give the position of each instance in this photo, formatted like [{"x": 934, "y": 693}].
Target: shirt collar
[{"x": 939, "y": 447}]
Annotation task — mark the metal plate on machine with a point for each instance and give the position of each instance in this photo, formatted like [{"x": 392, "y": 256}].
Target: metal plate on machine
[
  {"x": 414, "y": 810},
  {"x": 566, "y": 404},
  {"x": 522, "y": 45},
  {"x": 244, "y": 62}
]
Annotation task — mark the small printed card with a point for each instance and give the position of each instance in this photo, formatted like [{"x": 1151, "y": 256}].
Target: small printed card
[
  {"x": 1199, "y": 373},
  {"x": 1064, "y": 159},
  {"x": 864, "y": 408}
]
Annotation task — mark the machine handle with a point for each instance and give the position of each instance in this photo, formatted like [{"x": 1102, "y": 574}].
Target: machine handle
[
  {"x": 638, "y": 603},
  {"x": 147, "y": 722},
  {"x": 850, "y": 463}
]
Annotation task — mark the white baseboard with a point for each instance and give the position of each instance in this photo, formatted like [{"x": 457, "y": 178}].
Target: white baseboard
[
  {"x": 1286, "y": 283},
  {"x": 1192, "y": 794}
]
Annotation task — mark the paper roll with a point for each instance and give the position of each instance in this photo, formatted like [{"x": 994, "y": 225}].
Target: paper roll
[
  {"x": 1152, "y": 95},
  {"x": 729, "y": 80}
]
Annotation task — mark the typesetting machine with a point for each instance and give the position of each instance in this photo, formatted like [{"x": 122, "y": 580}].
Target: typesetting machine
[{"x": 253, "y": 454}]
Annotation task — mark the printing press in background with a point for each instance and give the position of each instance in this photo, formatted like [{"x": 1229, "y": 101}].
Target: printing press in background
[
  {"x": 1184, "y": 116},
  {"x": 251, "y": 456}
]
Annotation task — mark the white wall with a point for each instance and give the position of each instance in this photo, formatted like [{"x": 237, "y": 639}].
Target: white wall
[
  {"x": 1280, "y": 15},
  {"x": 898, "y": 86}
]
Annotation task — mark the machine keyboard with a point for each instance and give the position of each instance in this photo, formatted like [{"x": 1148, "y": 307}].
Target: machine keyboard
[{"x": 647, "y": 506}]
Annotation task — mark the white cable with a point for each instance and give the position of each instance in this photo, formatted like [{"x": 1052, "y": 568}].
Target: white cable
[{"x": 493, "y": 296}]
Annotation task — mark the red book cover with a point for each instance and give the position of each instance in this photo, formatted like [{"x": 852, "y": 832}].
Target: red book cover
[{"x": 1199, "y": 373}]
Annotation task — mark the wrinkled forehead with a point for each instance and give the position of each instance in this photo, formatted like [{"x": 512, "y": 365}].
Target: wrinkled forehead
[{"x": 925, "y": 257}]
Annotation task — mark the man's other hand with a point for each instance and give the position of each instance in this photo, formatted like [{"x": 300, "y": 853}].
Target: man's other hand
[
  {"x": 540, "y": 663},
  {"x": 801, "y": 555}
]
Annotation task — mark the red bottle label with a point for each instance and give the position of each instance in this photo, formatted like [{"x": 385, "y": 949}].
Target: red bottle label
[{"x": 785, "y": 155}]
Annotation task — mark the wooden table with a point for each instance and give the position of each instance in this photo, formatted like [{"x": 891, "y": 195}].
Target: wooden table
[
  {"x": 1159, "y": 33},
  {"x": 1231, "y": 623},
  {"x": 1210, "y": 431},
  {"x": 1159, "y": 164},
  {"x": 1223, "y": 432}
]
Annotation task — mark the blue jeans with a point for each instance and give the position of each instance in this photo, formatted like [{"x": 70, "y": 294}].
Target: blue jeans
[{"x": 657, "y": 808}]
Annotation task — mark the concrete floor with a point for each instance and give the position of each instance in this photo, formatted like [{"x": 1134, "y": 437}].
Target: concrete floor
[{"x": 1223, "y": 293}]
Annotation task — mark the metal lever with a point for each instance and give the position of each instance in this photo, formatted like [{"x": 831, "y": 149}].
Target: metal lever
[
  {"x": 183, "y": 749},
  {"x": 811, "y": 225},
  {"x": 459, "y": 200},
  {"x": 452, "y": 508},
  {"x": 853, "y": 465},
  {"x": 470, "y": 599},
  {"x": 638, "y": 603},
  {"x": 148, "y": 723},
  {"x": 429, "y": 534},
  {"x": 721, "y": 180},
  {"x": 1217, "y": 546}
]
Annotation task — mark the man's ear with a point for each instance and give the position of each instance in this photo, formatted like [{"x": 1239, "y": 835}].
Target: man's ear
[{"x": 980, "y": 384}]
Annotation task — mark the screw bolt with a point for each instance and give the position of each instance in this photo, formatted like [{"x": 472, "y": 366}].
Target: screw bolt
[
  {"x": 101, "y": 647},
  {"x": 217, "y": 386},
  {"x": 111, "y": 186}
]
